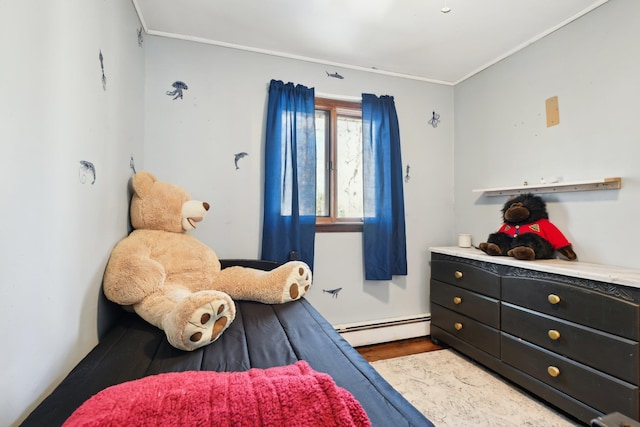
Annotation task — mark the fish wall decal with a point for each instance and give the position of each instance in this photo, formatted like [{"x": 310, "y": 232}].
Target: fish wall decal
[
  {"x": 435, "y": 119},
  {"x": 333, "y": 292},
  {"x": 140, "y": 36},
  {"x": 239, "y": 156},
  {"x": 334, "y": 75},
  {"x": 178, "y": 87},
  {"x": 104, "y": 77},
  {"x": 87, "y": 169}
]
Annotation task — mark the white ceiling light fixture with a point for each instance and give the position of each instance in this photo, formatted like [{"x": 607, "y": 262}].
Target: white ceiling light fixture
[{"x": 445, "y": 8}]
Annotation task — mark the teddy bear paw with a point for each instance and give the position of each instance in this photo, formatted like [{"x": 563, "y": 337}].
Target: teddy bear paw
[
  {"x": 207, "y": 314},
  {"x": 522, "y": 253},
  {"x": 207, "y": 323},
  {"x": 490, "y": 249},
  {"x": 297, "y": 283}
]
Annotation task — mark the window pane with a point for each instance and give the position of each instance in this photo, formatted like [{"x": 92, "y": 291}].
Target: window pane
[
  {"x": 322, "y": 177},
  {"x": 349, "y": 159}
]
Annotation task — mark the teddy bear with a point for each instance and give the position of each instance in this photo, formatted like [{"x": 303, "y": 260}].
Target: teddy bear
[
  {"x": 527, "y": 233},
  {"x": 174, "y": 281}
]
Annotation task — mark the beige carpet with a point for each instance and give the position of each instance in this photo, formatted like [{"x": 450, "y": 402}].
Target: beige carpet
[{"x": 453, "y": 391}]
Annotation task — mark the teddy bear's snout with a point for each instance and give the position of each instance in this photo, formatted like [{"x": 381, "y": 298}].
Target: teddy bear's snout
[
  {"x": 516, "y": 213},
  {"x": 193, "y": 211}
]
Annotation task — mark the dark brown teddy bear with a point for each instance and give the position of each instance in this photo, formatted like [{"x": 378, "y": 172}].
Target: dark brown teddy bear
[{"x": 527, "y": 233}]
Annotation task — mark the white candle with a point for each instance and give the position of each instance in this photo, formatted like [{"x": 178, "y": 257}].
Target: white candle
[{"x": 464, "y": 240}]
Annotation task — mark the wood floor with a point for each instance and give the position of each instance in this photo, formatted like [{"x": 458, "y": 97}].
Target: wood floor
[{"x": 397, "y": 348}]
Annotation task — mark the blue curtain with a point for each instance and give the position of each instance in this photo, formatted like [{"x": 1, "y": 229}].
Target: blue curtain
[
  {"x": 384, "y": 237},
  {"x": 289, "y": 222}
]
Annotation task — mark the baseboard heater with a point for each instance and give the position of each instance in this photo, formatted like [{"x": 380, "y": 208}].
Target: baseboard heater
[{"x": 385, "y": 330}]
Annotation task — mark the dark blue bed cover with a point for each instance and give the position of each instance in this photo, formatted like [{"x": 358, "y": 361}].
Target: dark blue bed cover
[{"x": 261, "y": 336}]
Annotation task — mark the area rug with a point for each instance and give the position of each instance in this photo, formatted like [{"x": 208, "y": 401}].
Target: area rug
[{"x": 453, "y": 391}]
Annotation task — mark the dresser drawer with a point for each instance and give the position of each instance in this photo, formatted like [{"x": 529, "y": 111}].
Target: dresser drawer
[
  {"x": 579, "y": 305},
  {"x": 466, "y": 329},
  {"x": 608, "y": 353},
  {"x": 598, "y": 390},
  {"x": 467, "y": 277},
  {"x": 479, "y": 307}
]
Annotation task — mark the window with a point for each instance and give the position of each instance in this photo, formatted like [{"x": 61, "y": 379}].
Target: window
[{"x": 339, "y": 165}]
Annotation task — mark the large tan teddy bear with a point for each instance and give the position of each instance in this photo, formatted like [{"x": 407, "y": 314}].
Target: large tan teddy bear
[{"x": 174, "y": 281}]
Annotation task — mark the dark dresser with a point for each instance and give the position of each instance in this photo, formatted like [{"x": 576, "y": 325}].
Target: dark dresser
[{"x": 566, "y": 331}]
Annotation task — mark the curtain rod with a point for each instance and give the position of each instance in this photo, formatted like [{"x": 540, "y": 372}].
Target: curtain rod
[{"x": 339, "y": 97}]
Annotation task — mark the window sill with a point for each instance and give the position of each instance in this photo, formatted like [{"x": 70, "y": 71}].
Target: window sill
[{"x": 338, "y": 227}]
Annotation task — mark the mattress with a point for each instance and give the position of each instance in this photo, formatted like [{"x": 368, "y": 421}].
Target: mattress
[{"x": 262, "y": 336}]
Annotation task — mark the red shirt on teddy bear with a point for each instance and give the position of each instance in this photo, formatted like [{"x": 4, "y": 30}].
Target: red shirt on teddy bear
[{"x": 543, "y": 227}]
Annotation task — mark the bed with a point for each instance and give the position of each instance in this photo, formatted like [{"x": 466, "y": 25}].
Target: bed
[{"x": 262, "y": 336}]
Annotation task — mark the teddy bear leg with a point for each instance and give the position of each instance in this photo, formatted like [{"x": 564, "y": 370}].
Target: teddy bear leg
[
  {"x": 537, "y": 247},
  {"x": 568, "y": 252},
  {"x": 285, "y": 283},
  {"x": 524, "y": 253},
  {"x": 490, "y": 249},
  {"x": 497, "y": 244},
  {"x": 199, "y": 319},
  {"x": 299, "y": 281}
]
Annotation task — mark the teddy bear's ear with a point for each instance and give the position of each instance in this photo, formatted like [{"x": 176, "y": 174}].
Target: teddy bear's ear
[{"x": 142, "y": 182}]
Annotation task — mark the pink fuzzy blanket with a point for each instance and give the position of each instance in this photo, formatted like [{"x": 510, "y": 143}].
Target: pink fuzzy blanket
[{"x": 293, "y": 395}]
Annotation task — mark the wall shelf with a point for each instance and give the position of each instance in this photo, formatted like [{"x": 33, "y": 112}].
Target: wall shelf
[{"x": 556, "y": 187}]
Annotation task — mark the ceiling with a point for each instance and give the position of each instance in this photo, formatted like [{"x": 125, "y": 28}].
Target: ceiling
[{"x": 408, "y": 38}]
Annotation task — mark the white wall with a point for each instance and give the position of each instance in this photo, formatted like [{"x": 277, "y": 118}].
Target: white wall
[
  {"x": 57, "y": 232},
  {"x": 501, "y": 138},
  {"x": 191, "y": 142}
]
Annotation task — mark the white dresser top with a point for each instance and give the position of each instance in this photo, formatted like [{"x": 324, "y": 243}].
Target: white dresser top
[{"x": 602, "y": 273}]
